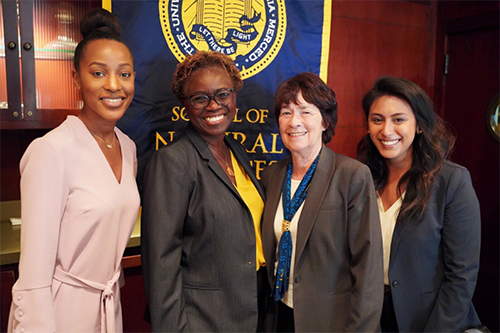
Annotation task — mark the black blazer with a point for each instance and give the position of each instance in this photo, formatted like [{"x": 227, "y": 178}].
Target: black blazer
[
  {"x": 434, "y": 262},
  {"x": 198, "y": 241}
]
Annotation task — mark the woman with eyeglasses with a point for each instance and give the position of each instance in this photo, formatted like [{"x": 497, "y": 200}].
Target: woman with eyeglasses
[{"x": 201, "y": 247}]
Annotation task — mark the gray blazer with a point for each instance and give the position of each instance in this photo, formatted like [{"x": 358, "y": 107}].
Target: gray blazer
[
  {"x": 338, "y": 284},
  {"x": 198, "y": 241},
  {"x": 434, "y": 262}
]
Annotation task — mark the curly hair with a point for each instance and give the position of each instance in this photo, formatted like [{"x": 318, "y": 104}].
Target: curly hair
[
  {"x": 97, "y": 24},
  {"x": 314, "y": 91},
  {"x": 204, "y": 59},
  {"x": 430, "y": 147}
]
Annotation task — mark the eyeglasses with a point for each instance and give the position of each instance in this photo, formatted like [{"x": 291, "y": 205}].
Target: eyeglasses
[{"x": 200, "y": 101}]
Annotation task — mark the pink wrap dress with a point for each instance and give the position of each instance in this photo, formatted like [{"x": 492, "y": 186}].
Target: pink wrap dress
[{"x": 77, "y": 219}]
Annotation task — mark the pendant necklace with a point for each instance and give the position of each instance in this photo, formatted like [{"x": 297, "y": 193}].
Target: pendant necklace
[
  {"x": 230, "y": 172},
  {"x": 109, "y": 146}
]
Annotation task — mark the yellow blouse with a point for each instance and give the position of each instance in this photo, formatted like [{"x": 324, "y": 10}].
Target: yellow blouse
[{"x": 254, "y": 202}]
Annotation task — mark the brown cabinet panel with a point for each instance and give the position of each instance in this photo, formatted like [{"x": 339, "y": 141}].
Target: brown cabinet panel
[
  {"x": 346, "y": 139},
  {"x": 7, "y": 279},
  {"x": 370, "y": 39},
  {"x": 133, "y": 298},
  {"x": 403, "y": 13},
  {"x": 361, "y": 51}
]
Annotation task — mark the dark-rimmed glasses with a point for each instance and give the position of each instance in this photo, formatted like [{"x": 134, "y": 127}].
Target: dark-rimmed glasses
[{"x": 200, "y": 101}]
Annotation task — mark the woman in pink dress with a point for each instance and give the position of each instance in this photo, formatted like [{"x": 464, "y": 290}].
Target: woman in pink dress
[{"x": 79, "y": 198}]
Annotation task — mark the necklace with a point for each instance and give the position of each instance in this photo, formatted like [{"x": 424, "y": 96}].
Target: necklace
[
  {"x": 230, "y": 172},
  {"x": 109, "y": 146}
]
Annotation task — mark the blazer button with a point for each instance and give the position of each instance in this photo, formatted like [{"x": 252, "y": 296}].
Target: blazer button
[
  {"x": 19, "y": 297},
  {"x": 395, "y": 283},
  {"x": 297, "y": 279}
]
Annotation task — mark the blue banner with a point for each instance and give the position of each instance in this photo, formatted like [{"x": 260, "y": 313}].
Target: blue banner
[{"x": 269, "y": 41}]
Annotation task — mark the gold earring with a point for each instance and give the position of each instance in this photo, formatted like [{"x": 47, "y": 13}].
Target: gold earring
[{"x": 419, "y": 131}]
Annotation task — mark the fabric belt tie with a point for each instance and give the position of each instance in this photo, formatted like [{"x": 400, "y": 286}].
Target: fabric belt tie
[{"x": 107, "y": 295}]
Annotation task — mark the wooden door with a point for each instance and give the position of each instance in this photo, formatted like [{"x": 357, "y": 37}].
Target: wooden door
[{"x": 471, "y": 83}]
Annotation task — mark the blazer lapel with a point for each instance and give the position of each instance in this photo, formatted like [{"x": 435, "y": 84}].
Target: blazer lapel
[
  {"x": 202, "y": 148},
  {"x": 319, "y": 185},
  {"x": 239, "y": 153},
  {"x": 399, "y": 230},
  {"x": 273, "y": 194}
]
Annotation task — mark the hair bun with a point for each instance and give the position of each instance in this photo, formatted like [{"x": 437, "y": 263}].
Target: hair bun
[{"x": 99, "y": 20}]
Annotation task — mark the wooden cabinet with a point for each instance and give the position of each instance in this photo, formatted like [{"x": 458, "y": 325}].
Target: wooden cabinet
[
  {"x": 38, "y": 39},
  {"x": 132, "y": 294},
  {"x": 7, "y": 279},
  {"x": 133, "y": 297}
]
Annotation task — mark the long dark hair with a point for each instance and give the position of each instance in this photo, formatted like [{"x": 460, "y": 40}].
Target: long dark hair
[
  {"x": 431, "y": 146},
  {"x": 97, "y": 23}
]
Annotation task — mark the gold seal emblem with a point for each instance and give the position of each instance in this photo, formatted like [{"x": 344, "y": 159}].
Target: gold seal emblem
[{"x": 251, "y": 32}]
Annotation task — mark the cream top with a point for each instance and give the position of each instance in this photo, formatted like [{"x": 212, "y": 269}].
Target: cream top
[{"x": 388, "y": 223}]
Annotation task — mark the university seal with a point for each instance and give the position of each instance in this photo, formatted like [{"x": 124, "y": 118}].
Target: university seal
[{"x": 251, "y": 32}]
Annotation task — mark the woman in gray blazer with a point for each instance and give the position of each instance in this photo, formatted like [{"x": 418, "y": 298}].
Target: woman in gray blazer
[
  {"x": 428, "y": 209},
  {"x": 320, "y": 231},
  {"x": 201, "y": 248}
]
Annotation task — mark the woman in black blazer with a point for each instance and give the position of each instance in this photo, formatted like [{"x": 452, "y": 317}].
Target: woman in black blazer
[
  {"x": 428, "y": 210},
  {"x": 202, "y": 205}
]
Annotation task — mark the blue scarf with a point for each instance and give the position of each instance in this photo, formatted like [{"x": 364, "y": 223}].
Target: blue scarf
[{"x": 290, "y": 207}]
